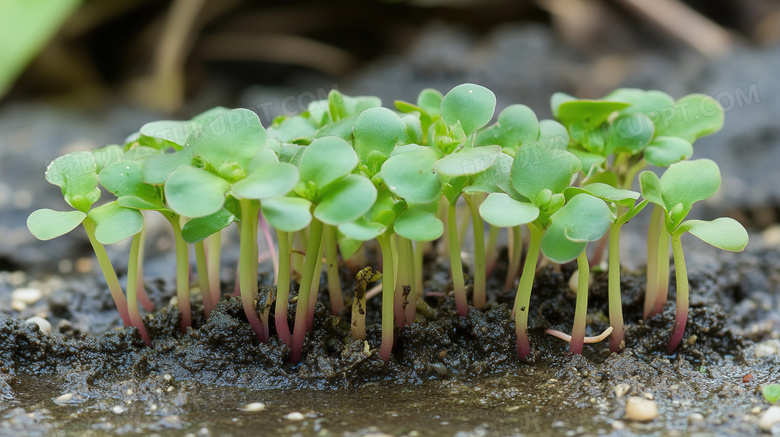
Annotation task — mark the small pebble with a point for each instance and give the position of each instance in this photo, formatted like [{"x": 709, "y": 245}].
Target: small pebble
[
  {"x": 18, "y": 306},
  {"x": 129, "y": 392},
  {"x": 618, "y": 425},
  {"x": 695, "y": 418},
  {"x": 204, "y": 432},
  {"x": 770, "y": 417},
  {"x": 641, "y": 409},
  {"x": 294, "y": 416},
  {"x": 42, "y": 323},
  {"x": 64, "y": 399},
  {"x": 755, "y": 410},
  {"x": 167, "y": 377},
  {"x": 169, "y": 389},
  {"x": 621, "y": 390},
  {"x": 254, "y": 407},
  {"x": 27, "y": 295},
  {"x": 440, "y": 369},
  {"x": 118, "y": 409}
]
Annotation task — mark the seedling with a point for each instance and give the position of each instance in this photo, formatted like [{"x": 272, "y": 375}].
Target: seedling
[
  {"x": 76, "y": 174},
  {"x": 683, "y": 184},
  {"x": 771, "y": 393}
]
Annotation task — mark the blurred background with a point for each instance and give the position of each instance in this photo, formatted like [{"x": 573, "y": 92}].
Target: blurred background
[{"x": 79, "y": 74}]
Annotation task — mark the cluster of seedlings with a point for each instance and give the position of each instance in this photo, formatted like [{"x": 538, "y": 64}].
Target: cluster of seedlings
[{"x": 348, "y": 171}]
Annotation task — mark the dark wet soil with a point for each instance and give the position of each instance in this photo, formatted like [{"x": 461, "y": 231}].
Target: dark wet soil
[{"x": 447, "y": 376}]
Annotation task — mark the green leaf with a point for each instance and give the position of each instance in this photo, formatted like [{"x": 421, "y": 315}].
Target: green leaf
[
  {"x": 193, "y": 192},
  {"x": 106, "y": 156},
  {"x": 771, "y": 392},
  {"x": 268, "y": 180},
  {"x": 345, "y": 200},
  {"x": 468, "y": 161},
  {"x": 724, "y": 233},
  {"x": 46, "y": 224},
  {"x": 582, "y": 219},
  {"x": 695, "y": 116},
  {"x": 650, "y": 186},
  {"x": 632, "y": 212},
  {"x": 588, "y": 160},
  {"x": 171, "y": 131},
  {"x": 418, "y": 225},
  {"x": 75, "y": 174},
  {"x": 411, "y": 176},
  {"x": 25, "y": 28},
  {"x": 136, "y": 202},
  {"x": 229, "y": 142},
  {"x": 377, "y": 129},
  {"x": 348, "y": 246},
  {"x": 336, "y": 105},
  {"x": 338, "y": 155},
  {"x": 553, "y": 134},
  {"x": 123, "y": 178},
  {"x": 688, "y": 182},
  {"x": 557, "y": 99},
  {"x": 665, "y": 151},
  {"x": 287, "y": 214},
  {"x": 517, "y": 124},
  {"x": 612, "y": 194},
  {"x": 429, "y": 100},
  {"x": 536, "y": 168},
  {"x": 502, "y": 211},
  {"x": 630, "y": 134},
  {"x": 114, "y": 223},
  {"x": 590, "y": 113},
  {"x": 470, "y": 104},
  {"x": 156, "y": 169},
  {"x": 495, "y": 179},
  {"x": 200, "y": 228},
  {"x": 654, "y": 104},
  {"x": 341, "y": 129},
  {"x": 292, "y": 129},
  {"x": 361, "y": 230}
]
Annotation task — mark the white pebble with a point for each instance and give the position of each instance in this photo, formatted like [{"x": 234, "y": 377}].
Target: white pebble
[
  {"x": 167, "y": 377},
  {"x": 18, "y": 306},
  {"x": 641, "y": 409},
  {"x": 770, "y": 417},
  {"x": 254, "y": 407},
  {"x": 118, "y": 409},
  {"x": 42, "y": 323},
  {"x": 294, "y": 416},
  {"x": 695, "y": 418},
  {"x": 621, "y": 390},
  {"x": 64, "y": 399},
  {"x": 27, "y": 295}
]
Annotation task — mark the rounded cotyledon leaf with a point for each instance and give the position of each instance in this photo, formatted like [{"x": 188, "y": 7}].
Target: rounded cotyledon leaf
[
  {"x": 46, "y": 224},
  {"x": 114, "y": 223},
  {"x": 590, "y": 113},
  {"x": 75, "y": 173},
  {"x": 470, "y": 104},
  {"x": 411, "y": 176},
  {"x": 502, "y": 211},
  {"x": 723, "y": 233},
  {"x": 468, "y": 161},
  {"x": 665, "y": 151},
  {"x": 200, "y": 228},
  {"x": 345, "y": 200},
  {"x": 362, "y": 229},
  {"x": 629, "y": 134},
  {"x": 287, "y": 214},
  {"x": 695, "y": 116},
  {"x": 156, "y": 169},
  {"x": 582, "y": 219},
  {"x": 688, "y": 182},
  {"x": 536, "y": 168},
  {"x": 229, "y": 141},
  {"x": 553, "y": 134},
  {"x": 377, "y": 129},
  {"x": 272, "y": 179},
  {"x": 325, "y": 160},
  {"x": 124, "y": 178},
  {"x": 418, "y": 225},
  {"x": 193, "y": 192}
]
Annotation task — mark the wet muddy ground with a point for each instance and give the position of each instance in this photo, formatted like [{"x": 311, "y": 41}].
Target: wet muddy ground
[{"x": 448, "y": 375}]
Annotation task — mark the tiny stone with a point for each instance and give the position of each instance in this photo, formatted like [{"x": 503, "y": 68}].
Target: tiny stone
[
  {"x": 621, "y": 390},
  {"x": 158, "y": 390},
  {"x": 27, "y": 295},
  {"x": 640, "y": 409},
  {"x": 18, "y": 306},
  {"x": 167, "y": 377},
  {"x": 440, "y": 369},
  {"x": 84, "y": 265},
  {"x": 755, "y": 410},
  {"x": 695, "y": 418},
  {"x": 129, "y": 392},
  {"x": 204, "y": 432},
  {"x": 170, "y": 389},
  {"x": 118, "y": 409},
  {"x": 172, "y": 420},
  {"x": 42, "y": 323},
  {"x": 294, "y": 416},
  {"x": 649, "y": 396},
  {"x": 64, "y": 399},
  {"x": 770, "y": 417},
  {"x": 254, "y": 407},
  {"x": 65, "y": 266},
  {"x": 618, "y": 425}
]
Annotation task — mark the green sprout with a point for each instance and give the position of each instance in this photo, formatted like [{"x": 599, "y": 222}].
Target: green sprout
[
  {"x": 683, "y": 184},
  {"x": 771, "y": 392},
  {"x": 76, "y": 174}
]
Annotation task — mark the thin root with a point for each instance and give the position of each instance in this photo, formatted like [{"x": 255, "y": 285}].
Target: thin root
[{"x": 588, "y": 340}]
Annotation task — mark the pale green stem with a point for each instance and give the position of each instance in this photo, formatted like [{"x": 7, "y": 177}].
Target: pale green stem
[
  {"x": 616, "y": 339},
  {"x": 492, "y": 253},
  {"x": 182, "y": 273},
  {"x": 681, "y": 275},
  {"x": 479, "y": 253},
  {"x": 108, "y": 272},
  {"x": 315, "y": 284},
  {"x": 456, "y": 265},
  {"x": 663, "y": 270},
  {"x": 310, "y": 263},
  {"x": 213, "y": 255},
  {"x": 653, "y": 241},
  {"x": 419, "y": 251},
  {"x": 143, "y": 297},
  {"x": 524, "y": 288},
  {"x": 516, "y": 256},
  {"x": 132, "y": 287},
  {"x": 388, "y": 288},
  {"x": 581, "y": 308},
  {"x": 203, "y": 278},
  {"x": 334, "y": 281},
  {"x": 411, "y": 299},
  {"x": 283, "y": 287},
  {"x": 247, "y": 266}
]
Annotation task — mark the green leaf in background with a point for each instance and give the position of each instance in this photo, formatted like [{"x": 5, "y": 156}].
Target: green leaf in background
[
  {"x": 192, "y": 192},
  {"x": 76, "y": 174},
  {"x": 377, "y": 129},
  {"x": 630, "y": 134},
  {"x": 114, "y": 223},
  {"x": 410, "y": 175},
  {"x": 362, "y": 229},
  {"x": 25, "y": 27},
  {"x": 502, "y": 211},
  {"x": 470, "y": 104},
  {"x": 468, "y": 161},
  {"x": 429, "y": 100},
  {"x": 695, "y": 116},
  {"x": 590, "y": 112},
  {"x": 46, "y": 224},
  {"x": 665, "y": 151},
  {"x": 771, "y": 392},
  {"x": 418, "y": 225},
  {"x": 553, "y": 134},
  {"x": 723, "y": 233},
  {"x": 536, "y": 168},
  {"x": 287, "y": 214}
]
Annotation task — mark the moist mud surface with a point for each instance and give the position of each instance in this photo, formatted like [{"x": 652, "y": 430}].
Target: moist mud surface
[{"x": 448, "y": 375}]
